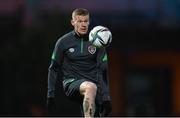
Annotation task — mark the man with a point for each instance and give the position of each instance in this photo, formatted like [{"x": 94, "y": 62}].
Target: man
[{"x": 83, "y": 67}]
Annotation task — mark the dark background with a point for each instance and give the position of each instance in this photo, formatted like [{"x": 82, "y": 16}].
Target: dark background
[{"x": 143, "y": 56}]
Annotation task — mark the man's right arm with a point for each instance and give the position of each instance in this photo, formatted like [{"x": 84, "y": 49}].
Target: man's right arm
[
  {"x": 53, "y": 73},
  {"x": 55, "y": 68},
  {"x": 52, "y": 77}
]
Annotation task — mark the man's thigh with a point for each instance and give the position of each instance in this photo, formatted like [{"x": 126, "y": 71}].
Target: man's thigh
[{"x": 72, "y": 90}]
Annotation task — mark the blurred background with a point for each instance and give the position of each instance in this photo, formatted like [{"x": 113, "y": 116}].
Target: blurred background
[{"x": 144, "y": 66}]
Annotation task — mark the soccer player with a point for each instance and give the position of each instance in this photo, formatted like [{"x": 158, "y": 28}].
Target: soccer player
[{"x": 83, "y": 67}]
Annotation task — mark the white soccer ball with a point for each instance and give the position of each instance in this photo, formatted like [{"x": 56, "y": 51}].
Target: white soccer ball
[{"x": 100, "y": 36}]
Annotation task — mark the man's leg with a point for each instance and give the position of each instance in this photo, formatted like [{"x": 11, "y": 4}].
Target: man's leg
[{"x": 88, "y": 90}]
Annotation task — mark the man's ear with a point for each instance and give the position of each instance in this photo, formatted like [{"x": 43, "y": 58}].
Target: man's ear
[{"x": 72, "y": 22}]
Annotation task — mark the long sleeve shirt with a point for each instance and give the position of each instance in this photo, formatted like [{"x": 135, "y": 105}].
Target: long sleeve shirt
[{"x": 75, "y": 57}]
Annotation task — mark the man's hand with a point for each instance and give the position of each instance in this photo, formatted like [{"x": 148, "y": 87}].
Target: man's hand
[
  {"x": 50, "y": 104},
  {"x": 106, "y": 108}
]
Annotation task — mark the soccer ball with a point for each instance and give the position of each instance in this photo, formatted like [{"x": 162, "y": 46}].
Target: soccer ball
[{"x": 100, "y": 36}]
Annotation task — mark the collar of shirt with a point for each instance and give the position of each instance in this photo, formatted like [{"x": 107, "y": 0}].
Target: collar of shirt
[{"x": 85, "y": 37}]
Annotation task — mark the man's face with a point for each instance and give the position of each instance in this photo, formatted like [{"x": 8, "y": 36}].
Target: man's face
[{"x": 81, "y": 24}]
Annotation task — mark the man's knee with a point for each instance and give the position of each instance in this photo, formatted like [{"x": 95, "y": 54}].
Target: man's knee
[
  {"x": 88, "y": 87},
  {"x": 91, "y": 87}
]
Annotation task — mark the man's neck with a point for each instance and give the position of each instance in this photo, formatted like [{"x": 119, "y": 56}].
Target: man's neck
[{"x": 80, "y": 35}]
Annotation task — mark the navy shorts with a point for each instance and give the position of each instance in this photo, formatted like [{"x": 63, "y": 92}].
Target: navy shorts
[{"x": 71, "y": 89}]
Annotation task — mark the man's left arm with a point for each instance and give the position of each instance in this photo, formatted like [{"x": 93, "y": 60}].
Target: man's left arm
[{"x": 104, "y": 81}]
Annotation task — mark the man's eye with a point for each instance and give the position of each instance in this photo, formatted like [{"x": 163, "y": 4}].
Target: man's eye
[
  {"x": 82, "y": 21},
  {"x": 79, "y": 21}
]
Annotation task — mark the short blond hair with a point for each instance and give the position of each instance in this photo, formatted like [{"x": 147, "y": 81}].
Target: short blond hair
[{"x": 80, "y": 11}]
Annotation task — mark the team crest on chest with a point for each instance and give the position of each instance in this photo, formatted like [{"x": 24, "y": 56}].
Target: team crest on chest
[{"x": 92, "y": 49}]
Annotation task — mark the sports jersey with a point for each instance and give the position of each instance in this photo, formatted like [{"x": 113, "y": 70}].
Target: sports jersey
[{"x": 75, "y": 57}]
